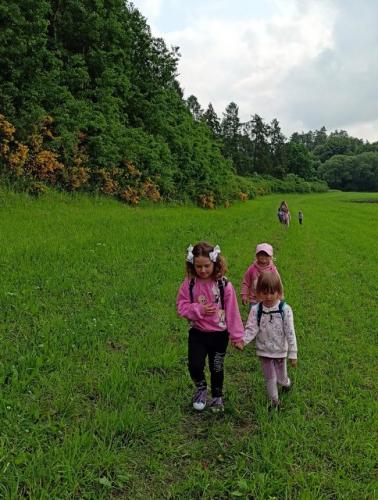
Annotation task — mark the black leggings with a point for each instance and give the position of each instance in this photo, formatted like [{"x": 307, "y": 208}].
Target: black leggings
[{"x": 213, "y": 345}]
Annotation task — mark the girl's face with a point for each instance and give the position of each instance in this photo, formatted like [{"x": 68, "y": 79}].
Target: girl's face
[
  {"x": 263, "y": 259},
  {"x": 268, "y": 298},
  {"x": 203, "y": 267}
]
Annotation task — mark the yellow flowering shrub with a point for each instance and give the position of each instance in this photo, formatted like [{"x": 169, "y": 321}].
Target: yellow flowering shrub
[
  {"x": 110, "y": 187},
  {"x": 40, "y": 165},
  {"x": 130, "y": 195},
  {"x": 37, "y": 189},
  {"x": 206, "y": 201},
  {"x": 77, "y": 177},
  {"x": 17, "y": 158},
  {"x": 46, "y": 167},
  {"x": 132, "y": 172},
  {"x": 7, "y": 130},
  {"x": 151, "y": 191}
]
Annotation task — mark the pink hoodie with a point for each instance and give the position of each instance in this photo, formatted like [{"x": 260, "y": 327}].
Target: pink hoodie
[
  {"x": 207, "y": 292},
  {"x": 250, "y": 280}
]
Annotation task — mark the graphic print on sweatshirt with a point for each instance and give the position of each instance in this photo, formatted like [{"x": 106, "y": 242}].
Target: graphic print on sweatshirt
[
  {"x": 221, "y": 312},
  {"x": 217, "y": 300}
]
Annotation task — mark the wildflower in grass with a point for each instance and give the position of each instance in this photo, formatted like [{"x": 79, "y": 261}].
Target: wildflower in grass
[
  {"x": 208, "y": 300},
  {"x": 263, "y": 262},
  {"x": 271, "y": 323}
]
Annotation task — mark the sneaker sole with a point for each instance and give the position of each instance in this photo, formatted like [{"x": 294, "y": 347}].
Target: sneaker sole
[
  {"x": 217, "y": 409},
  {"x": 199, "y": 408}
]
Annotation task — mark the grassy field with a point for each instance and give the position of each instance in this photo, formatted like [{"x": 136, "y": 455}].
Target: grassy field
[{"x": 95, "y": 394}]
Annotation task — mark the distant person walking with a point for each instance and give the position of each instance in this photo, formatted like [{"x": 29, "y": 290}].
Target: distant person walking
[
  {"x": 300, "y": 217},
  {"x": 263, "y": 262},
  {"x": 284, "y": 213},
  {"x": 271, "y": 323},
  {"x": 208, "y": 300},
  {"x": 279, "y": 214}
]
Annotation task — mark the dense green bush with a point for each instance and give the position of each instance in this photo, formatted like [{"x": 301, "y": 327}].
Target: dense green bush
[
  {"x": 291, "y": 183},
  {"x": 352, "y": 173}
]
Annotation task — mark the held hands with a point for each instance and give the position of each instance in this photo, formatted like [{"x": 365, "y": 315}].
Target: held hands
[
  {"x": 293, "y": 362},
  {"x": 239, "y": 345}
]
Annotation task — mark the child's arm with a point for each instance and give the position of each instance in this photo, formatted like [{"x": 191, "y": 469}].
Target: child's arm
[
  {"x": 246, "y": 285},
  {"x": 233, "y": 318},
  {"x": 185, "y": 308},
  {"x": 289, "y": 332},
  {"x": 251, "y": 327}
]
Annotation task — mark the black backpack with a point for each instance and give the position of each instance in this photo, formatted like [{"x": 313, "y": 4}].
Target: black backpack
[
  {"x": 222, "y": 283},
  {"x": 280, "y": 310}
]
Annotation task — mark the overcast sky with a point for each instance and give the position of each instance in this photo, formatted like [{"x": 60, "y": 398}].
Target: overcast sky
[{"x": 307, "y": 63}]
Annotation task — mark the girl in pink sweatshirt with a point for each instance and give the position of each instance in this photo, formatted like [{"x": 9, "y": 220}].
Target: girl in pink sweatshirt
[
  {"x": 208, "y": 300},
  {"x": 263, "y": 262}
]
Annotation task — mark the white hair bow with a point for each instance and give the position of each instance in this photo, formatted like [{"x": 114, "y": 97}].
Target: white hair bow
[
  {"x": 214, "y": 254},
  {"x": 189, "y": 255}
]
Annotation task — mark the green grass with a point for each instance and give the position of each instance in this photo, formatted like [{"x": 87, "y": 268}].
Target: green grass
[{"x": 94, "y": 387}]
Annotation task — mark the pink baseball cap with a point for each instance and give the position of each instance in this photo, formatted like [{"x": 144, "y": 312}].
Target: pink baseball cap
[{"x": 265, "y": 247}]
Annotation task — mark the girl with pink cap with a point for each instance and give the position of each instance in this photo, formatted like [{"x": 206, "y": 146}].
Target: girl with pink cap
[{"x": 262, "y": 263}]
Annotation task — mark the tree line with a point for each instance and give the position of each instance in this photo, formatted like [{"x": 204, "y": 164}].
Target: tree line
[
  {"x": 258, "y": 147},
  {"x": 90, "y": 100}
]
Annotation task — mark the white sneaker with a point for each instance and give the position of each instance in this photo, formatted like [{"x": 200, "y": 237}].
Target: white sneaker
[{"x": 199, "y": 399}]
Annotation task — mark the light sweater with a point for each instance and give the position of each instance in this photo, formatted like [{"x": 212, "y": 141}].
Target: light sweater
[
  {"x": 275, "y": 338},
  {"x": 207, "y": 292}
]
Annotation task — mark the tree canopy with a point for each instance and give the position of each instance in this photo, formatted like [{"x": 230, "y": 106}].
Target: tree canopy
[
  {"x": 109, "y": 91},
  {"x": 89, "y": 99}
]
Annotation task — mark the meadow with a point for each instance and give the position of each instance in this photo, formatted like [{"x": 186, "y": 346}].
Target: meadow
[{"x": 94, "y": 389}]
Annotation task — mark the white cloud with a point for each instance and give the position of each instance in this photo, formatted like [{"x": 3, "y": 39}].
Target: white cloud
[
  {"x": 150, "y": 9},
  {"x": 307, "y": 63},
  {"x": 363, "y": 130},
  {"x": 246, "y": 60},
  {"x": 338, "y": 87}
]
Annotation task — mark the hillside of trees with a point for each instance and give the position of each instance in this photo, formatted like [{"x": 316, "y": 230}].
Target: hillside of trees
[
  {"x": 89, "y": 100},
  {"x": 256, "y": 146}
]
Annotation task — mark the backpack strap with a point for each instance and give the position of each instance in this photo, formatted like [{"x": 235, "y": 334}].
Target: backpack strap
[
  {"x": 259, "y": 313},
  {"x": 222, "y": 283},
  {"x": 280, "y": 310},
  {"x": 191, "y": 286},
  {"x": 281, "y": 306}
]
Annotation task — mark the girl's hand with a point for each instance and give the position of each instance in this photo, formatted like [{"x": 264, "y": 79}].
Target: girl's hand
[
  {"x": 239, "y": 345},
  {"x": 244, "y": 301},
  {"x": 293, "y": 362},
  {"x": 209, "y": 309}
]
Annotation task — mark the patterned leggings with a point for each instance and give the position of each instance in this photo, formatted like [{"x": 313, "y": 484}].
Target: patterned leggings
[{"x": 212, "y": 345}]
